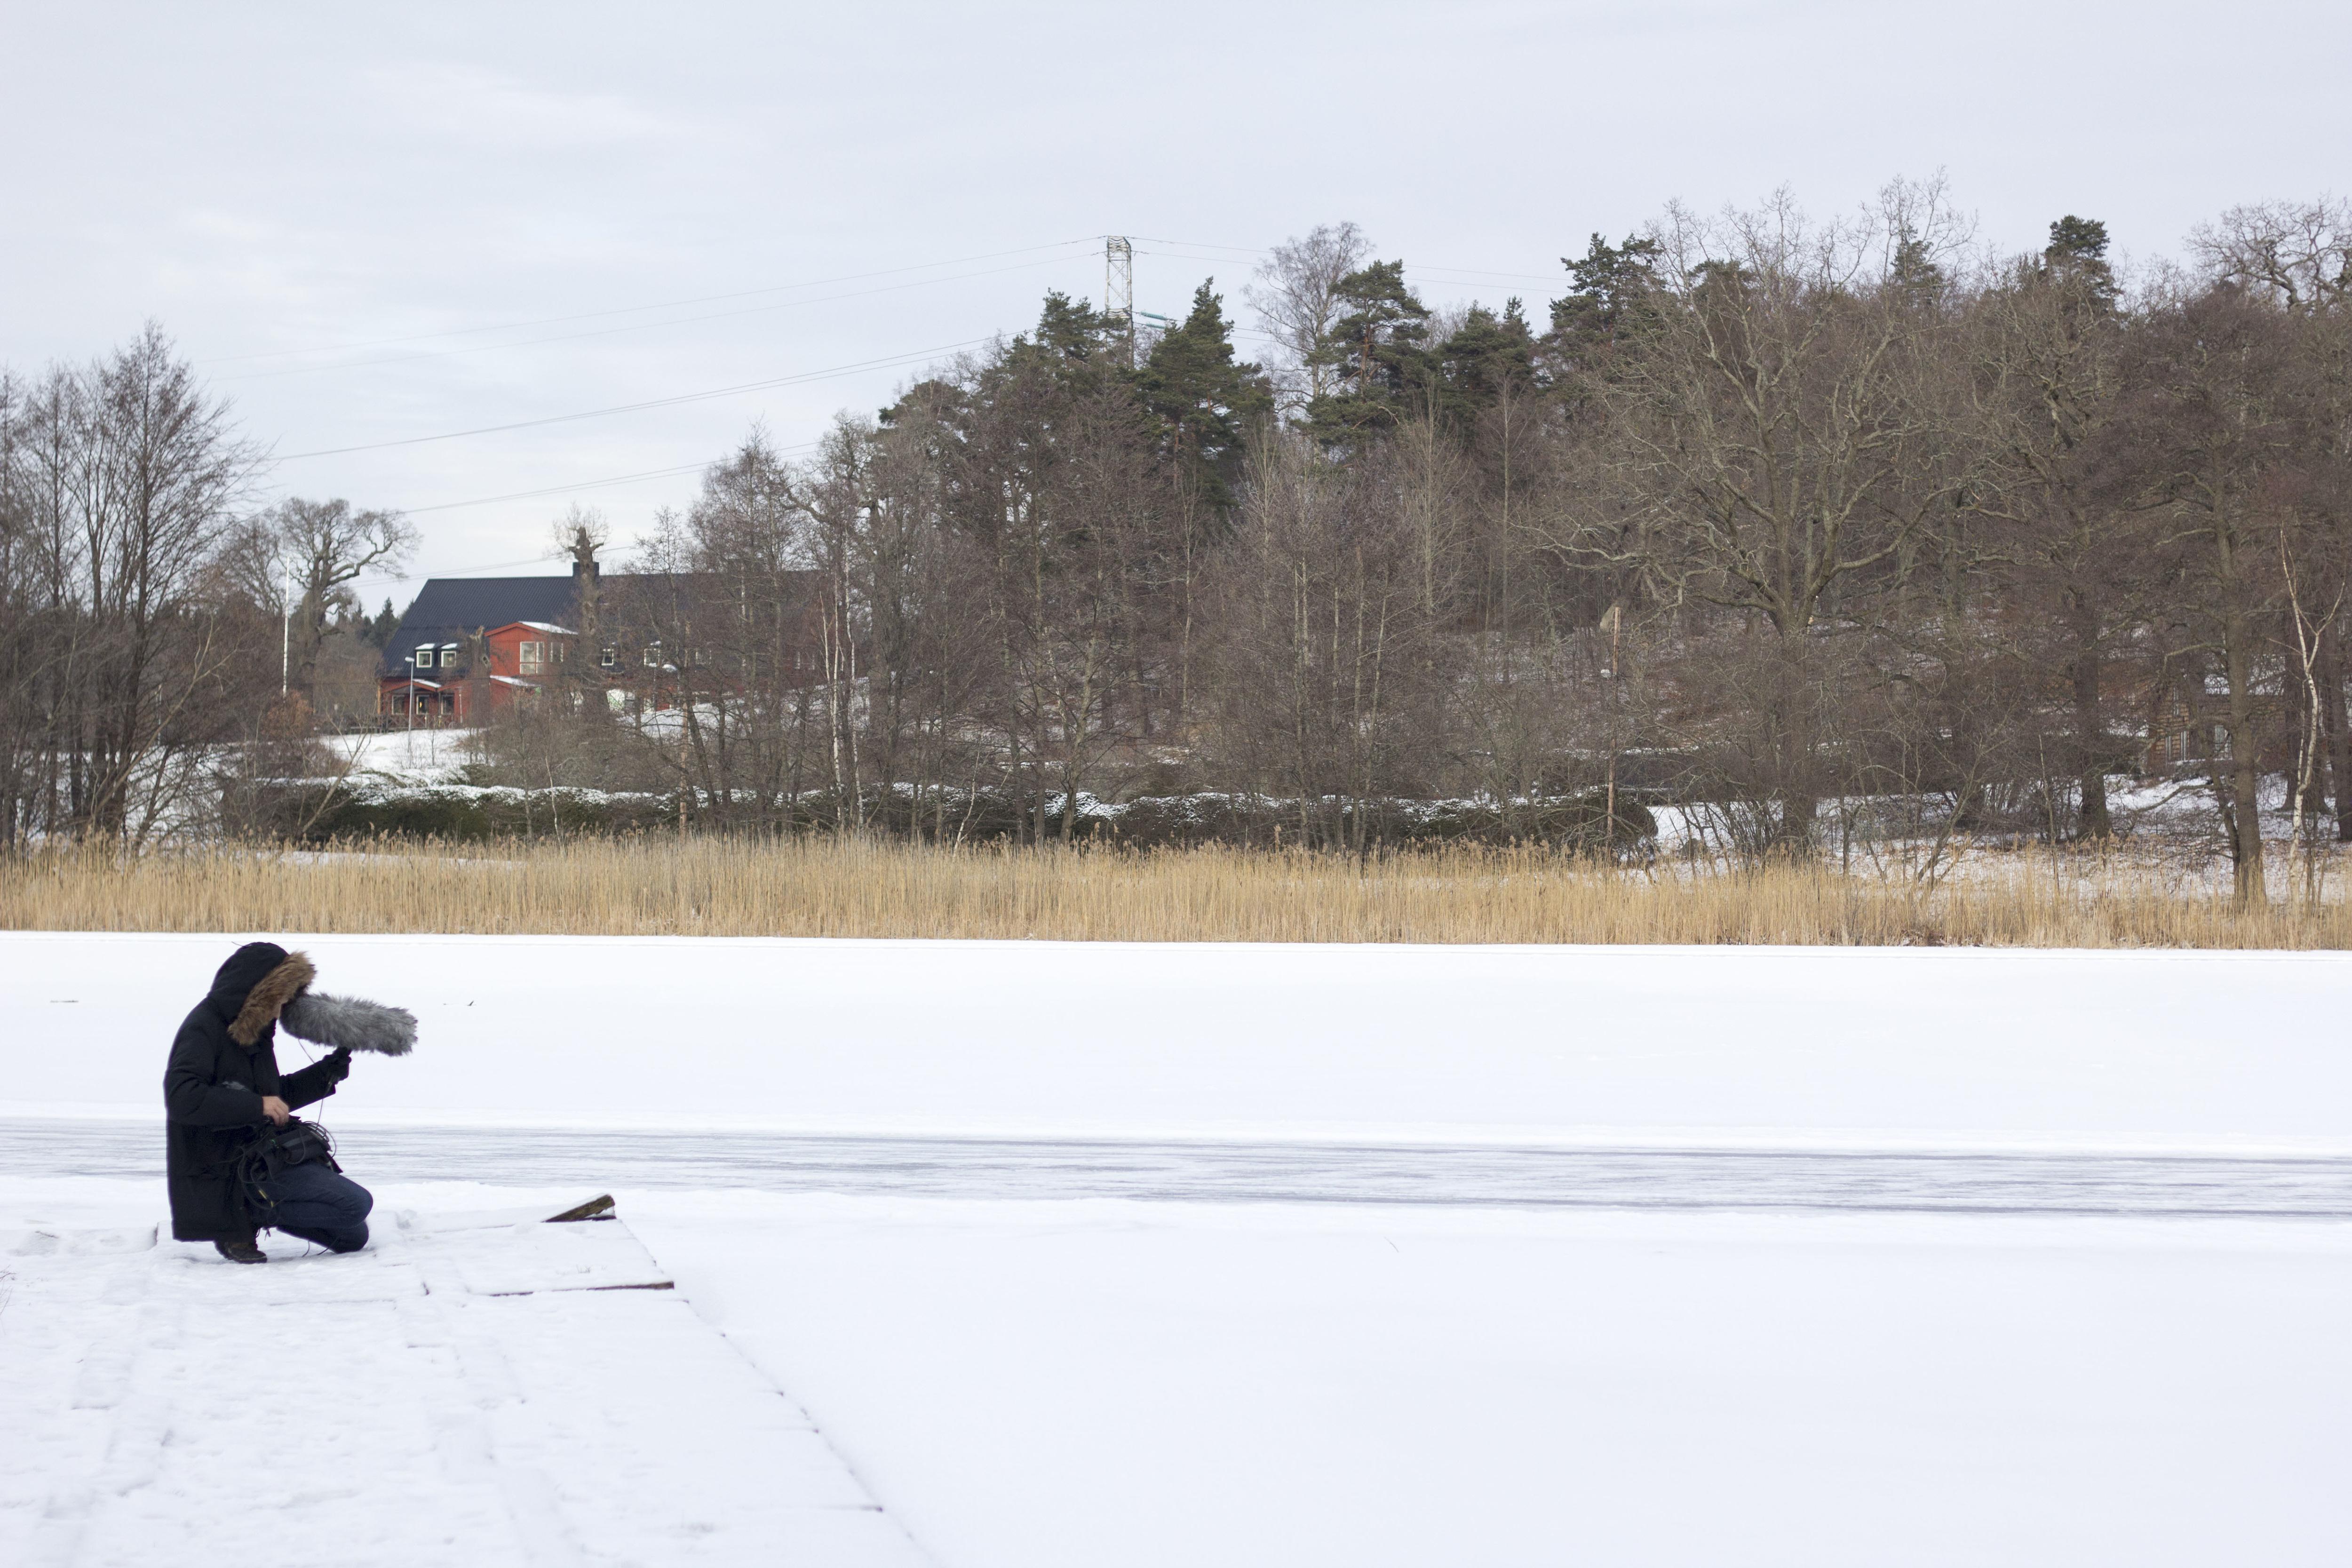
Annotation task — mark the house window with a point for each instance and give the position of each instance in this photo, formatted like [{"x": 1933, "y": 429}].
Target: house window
[
  {"x": 448, "y": 655},
  {"x": 701, "y": 657},
  {"x": 425, "y": 659},
  {"x": 610, "y": 658},
  {"x": 534, "y": 657},
  {"x": 652, "y": 657}
]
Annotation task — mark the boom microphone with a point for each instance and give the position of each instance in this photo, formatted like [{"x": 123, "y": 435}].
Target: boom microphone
[{"x": 350, "y": 1024}]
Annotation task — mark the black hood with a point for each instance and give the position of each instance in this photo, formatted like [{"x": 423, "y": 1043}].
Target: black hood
[{"x": 245, "y": 969}]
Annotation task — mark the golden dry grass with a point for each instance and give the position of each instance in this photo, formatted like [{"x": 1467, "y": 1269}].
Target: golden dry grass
[{"x": 714, "y": 888}]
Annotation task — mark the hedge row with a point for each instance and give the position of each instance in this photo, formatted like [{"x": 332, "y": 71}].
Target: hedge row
[{"x": 320, "y": 813}]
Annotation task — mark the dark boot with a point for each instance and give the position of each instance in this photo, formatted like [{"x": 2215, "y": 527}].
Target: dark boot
[{"x": 241, "y": 1250}]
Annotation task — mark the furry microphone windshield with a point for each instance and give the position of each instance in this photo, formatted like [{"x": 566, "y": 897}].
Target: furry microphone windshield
[{"x": 347, "y": 1023}]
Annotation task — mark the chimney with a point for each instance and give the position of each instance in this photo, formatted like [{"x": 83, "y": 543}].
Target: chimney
[{"x": 586, "y": 577}]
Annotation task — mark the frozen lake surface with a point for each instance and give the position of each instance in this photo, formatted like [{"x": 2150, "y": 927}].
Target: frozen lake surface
[
  {"x": 1155, "y": 1255},
  {"x": 2077, "y": 1182}
]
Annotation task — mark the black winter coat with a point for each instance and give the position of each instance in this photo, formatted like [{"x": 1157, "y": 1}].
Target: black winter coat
[{"x": 213, "y": 1086}]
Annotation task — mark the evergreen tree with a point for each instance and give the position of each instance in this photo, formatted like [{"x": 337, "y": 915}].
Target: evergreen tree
[
  {"x": 1204, "y": 399},
  {"x": 1069, "y": 351},
  {"x": 1486, "y": 354},
  {"x": 2077, "y": 253},
  {"x": 1913, "y": 273},
  {"x": 1376, "y": 352},
  {"x": 1073, "y": 328},
  {"x": 377, "y": 632},
  {"x": 1611, "y": 297},
  {"x": 2084, "y": 238}
]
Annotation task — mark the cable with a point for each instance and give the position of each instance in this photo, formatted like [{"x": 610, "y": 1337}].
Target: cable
[
  {"x": 455, "y": 571},
  {"x": 556, "y": 489},
  {"x": 591, "y": 484},
  {"x": 662, "y": 305},
  {"x": 548, "y": 491},
  {"x": 890, "y": 360},
  {"x": 634, "y": 326},
  {"x": 1428, "y": 270},
  {"x": 1199, "y": 243}
]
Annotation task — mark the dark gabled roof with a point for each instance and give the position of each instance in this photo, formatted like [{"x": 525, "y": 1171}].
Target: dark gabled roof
[{"x": 450, "y": 609}]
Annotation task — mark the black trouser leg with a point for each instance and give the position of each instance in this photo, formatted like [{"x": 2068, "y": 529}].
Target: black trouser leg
[{"x": 320, "y": 1206}]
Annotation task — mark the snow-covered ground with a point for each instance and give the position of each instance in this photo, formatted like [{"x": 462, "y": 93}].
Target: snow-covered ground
[
  {"x": 470, "y": 1389},
  {"x": 1087, "y": 1254},
  {"x": 421, "y": 757}
]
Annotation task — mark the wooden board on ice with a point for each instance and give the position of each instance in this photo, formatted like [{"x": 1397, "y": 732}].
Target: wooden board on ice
[
  {"x": 414, "y": 1222},
  {"x": 529, "y": 1259}
]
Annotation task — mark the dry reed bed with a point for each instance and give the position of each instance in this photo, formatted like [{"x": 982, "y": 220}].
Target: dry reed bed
[{"x": 712, "y": 887}]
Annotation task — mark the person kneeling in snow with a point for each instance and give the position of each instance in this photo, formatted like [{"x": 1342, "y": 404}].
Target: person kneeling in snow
[{"x": 222, "y": 1091}]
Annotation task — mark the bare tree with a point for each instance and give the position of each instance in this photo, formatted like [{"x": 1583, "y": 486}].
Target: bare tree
[
  {"x": 122, "y": 477},
  {"x": 1296, "y": 298},
  {"x": 2296, "y": 254},
  {"x": 318, "y": 549},
  {"x": 2044, "y": 391},
  {"x": 1330, "y": 676},
  {"x": 2214, "y": 422},
  {"x": 1767, "y": 449}
]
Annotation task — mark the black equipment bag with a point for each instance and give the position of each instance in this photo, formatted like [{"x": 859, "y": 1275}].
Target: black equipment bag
[{"x": 261, "y": 1162}]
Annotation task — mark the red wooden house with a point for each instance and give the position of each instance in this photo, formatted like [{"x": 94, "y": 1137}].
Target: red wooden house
[{"x": 471, "y": 649}]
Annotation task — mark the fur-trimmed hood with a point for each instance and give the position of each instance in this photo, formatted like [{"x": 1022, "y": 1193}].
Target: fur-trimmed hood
[
  {"x": 262, "y": 984},
  {"x": 254, "y": 985}
]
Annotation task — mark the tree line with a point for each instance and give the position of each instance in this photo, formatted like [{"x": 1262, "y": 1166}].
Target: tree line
[
  {"x": 1837, "y": 534},
  {"x": 151, "y": 616}
]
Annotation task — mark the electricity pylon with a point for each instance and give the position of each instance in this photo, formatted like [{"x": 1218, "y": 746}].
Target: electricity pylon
[{"x": 1118, "y": 287}]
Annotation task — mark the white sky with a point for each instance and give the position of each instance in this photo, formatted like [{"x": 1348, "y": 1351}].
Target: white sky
[{"x": 342, "y": 213}]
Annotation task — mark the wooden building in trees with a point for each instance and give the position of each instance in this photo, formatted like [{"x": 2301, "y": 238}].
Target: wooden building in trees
[{"x": 471, "y": 650}]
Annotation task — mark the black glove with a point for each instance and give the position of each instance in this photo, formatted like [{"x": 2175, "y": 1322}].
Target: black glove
[{"x": 337, "y": 1063}]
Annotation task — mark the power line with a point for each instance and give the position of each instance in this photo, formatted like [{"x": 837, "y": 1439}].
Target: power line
[
  {"x": 661, "y": 305},
  {"x": 551, "y": 491},
  {"x": 592, "y": 484},
  {"x": 634, "y": 326},
  {"x": 556, "y": 489},
  {"x": 888, "y": 362},
  {"x": 1429, "y": 270}
]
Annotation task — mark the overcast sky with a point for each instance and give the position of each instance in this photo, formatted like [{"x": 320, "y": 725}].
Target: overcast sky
[{"x": 369, "y": 225}]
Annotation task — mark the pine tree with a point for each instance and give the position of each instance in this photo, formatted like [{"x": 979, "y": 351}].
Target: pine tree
[
  {"x": 1377, "y": 350},
  {"x": 1073, "y": 328},
  {"x": 1204, "y": 399},
  {"x": 1610, "y": 298},
  {"x": 2077, "y": 253},
  {"x": 1486, "y": 355},
  {"x": 1913, "y": 273}
]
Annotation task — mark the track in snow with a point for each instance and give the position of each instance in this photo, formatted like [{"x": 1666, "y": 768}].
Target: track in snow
[
  {"x": 2077, "y": 1182},
  {"x": 468, "y": 1389}
]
